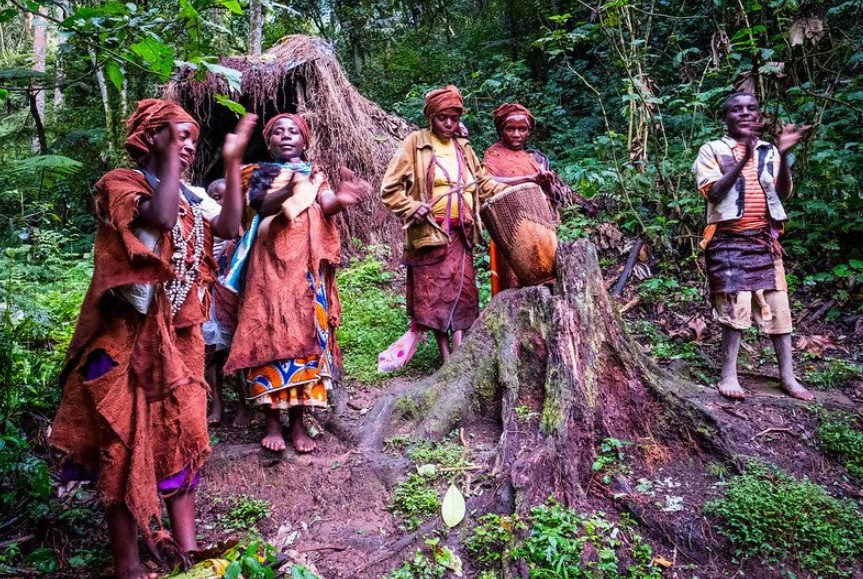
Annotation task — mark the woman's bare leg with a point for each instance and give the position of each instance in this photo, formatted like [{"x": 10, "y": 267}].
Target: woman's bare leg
[
  {"x": 124, "y": 544},
  {"x": 181, "y": 511},
  {"x": 273, "y": 438},
  {"x": 442, "y": 339},
  {"x": 457, "y": 338}
]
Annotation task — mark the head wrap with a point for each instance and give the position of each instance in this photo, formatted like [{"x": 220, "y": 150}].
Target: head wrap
[
  {"x": 149, "y": 117},
  {"x": 509, "y": 110},
  {"x": 448, "y": 97},
  {"x": 300, "y": 121}
]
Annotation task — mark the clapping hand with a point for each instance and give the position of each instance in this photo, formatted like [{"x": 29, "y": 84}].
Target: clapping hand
[
  {"x": 236, "y": 142},
  {"x": 351, "y": 188},
  {"x": 790, "y": 136}
]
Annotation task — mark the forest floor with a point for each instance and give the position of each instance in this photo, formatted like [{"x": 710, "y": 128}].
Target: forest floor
[{"x": 332, "y": 511}]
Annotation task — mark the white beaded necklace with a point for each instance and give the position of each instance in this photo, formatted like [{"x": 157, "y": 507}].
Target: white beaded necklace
[{"x": 184, "y": 276}]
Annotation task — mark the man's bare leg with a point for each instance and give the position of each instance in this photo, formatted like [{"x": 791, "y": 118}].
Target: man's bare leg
[
  {"x": 124, "y": 544},
  {"x": 789, "y": 383},
  {"x": 213, "y": 375},
  {"x": 442, "y": 339},
  {"x": 181, "y": 511},
  {"x": 728, "y": 385}
]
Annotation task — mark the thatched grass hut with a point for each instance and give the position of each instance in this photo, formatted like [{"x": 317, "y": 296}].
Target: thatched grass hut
[{"x": 301, "y": 74}]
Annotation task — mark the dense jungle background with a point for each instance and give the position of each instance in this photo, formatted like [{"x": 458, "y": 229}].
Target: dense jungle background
[{"x": 624, "y": 93}]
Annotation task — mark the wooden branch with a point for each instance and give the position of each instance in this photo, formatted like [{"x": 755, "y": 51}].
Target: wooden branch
[{"x": 630, "y": 263}]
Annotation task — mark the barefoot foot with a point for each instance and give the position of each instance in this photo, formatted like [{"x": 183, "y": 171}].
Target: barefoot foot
[
  {"x": 796, "y": 390},
  {"x": 273, "y": 438},
  {"x": 215, "y": 416},
  {"x": 135, "y": 572},
  {"x": 243, "y": 418},
  {"x": 300, "y": 438},
  {"x": 730, "y": 388}
]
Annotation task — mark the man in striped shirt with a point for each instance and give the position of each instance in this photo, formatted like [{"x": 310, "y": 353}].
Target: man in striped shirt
[{"x": 744, "y": 180}]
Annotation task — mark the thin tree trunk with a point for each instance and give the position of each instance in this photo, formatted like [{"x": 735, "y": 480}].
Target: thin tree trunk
[
  {"x": 37, "y": 95},
  {"x": 256, "y": 25},
  {"x": 106, "y": 102}
]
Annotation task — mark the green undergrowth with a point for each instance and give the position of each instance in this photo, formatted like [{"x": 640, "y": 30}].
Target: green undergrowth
[
  {"x": 835, "y": 373},
  {"x": 417, "y": 497},
  {"x": 244, "y": 512},
  {"x": 791, "y": 526},
  {"x": 556, "y": 541},
  {"x": 373, "y": 317},
  {"x": 841, "y": 435}
]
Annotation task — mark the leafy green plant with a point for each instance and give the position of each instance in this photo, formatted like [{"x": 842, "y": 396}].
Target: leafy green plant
[
  {"x": 444, "y": 453},
  {"x": 564, "y": 543},
  {"x": 494, "y": 537},
  {"x": 841, "y": 435},
  {"x": 245, "y": 511},
  {"x": 433, "y": 565},
  {"x": 837, "y": 372},
  {"x": 610, "y": 459},
  {"x": 790, "y": 524},
  {"x": 415, "y": 499}
]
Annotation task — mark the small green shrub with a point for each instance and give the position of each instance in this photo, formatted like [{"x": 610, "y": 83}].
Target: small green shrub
[
  {"x": 433, "y": 565},
  {"x": 835, "y": 374},
  {"x": 245, "y": 511},
  {"x": 794, "y": 525},
  {"x": 610, "y": 459},
  {"x": 840, "y": 435},
  {"x": 415, "y": 499},
  {"x": 494, "y": 537},
  {"x": 563, "y": 543},
  {"x": 445, "y": 453}
]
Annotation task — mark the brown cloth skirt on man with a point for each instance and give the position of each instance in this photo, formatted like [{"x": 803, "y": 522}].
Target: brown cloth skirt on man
[
  {"x": 744, "y": 261},
  {"x": 441, "y": 285}
]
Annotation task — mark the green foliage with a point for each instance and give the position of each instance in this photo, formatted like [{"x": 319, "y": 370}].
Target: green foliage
[
  {"x": 373, "y": 318},
  {"x": 433, "y": 565},
  {"x": 841, "y": 435},
  {"x": 415, "y": 499},
  {"x": 610, "y": 459},
  {"x": 667, "y": 288},
  {"x": 444, "y": 453},
  {"x": 563, "y": 543},
  {"x": 836, "y": 373},
  {"x": 254, "y": 561},
  {"x": 494, "y": 537},
  {"x": 792, "y": 525},
  {"x": 244, "y": 512}
]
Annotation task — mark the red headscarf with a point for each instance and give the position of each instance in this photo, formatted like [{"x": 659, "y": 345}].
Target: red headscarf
[
  {"x": 508, "y": 110},
  {"x": 447, "y": 97},
  {"x": 301, "y": 124},
  {"x": 151, "y": 115}
]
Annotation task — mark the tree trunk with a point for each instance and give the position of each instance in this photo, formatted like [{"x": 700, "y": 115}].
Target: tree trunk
[
  {"x": 37, "y": 96},
  {"x": 106, "y": 101},
  {"x": 559, "y": 354},
  {"x": 256, "y": 25}
]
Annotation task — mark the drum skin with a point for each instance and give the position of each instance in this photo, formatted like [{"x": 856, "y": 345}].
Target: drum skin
[{"x": 522, "y": 225}]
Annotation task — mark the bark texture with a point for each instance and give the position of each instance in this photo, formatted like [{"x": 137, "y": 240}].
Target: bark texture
[{"x": 561, "y": 353}]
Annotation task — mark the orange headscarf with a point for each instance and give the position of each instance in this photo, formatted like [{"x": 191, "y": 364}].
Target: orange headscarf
[
  {"x": 447, "y": 97},
  {"x": 151, "y": 115},
  {"x": 301, "y": 123},
  {"x": 508, "y": 110}
]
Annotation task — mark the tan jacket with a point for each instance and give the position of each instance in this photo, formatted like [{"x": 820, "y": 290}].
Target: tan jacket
[{"x": 404, "y": 188}]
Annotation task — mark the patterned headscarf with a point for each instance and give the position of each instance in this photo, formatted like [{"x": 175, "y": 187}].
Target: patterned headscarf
[
  {"x": 150, "y": 116},
  {"x": 508, "y": 110},
  {"x": 300, "y": 121},
  {"x": 448, "y": 97}
]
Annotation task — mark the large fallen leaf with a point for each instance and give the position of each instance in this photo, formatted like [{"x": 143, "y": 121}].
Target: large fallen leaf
[
  {"x": 816, "y": 344},
  {"x": 453, "y": 508}
]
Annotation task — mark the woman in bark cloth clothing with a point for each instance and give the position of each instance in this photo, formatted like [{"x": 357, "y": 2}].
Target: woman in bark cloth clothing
[
  {"x": 134, "y": 405},
  {"x": 435, "y": 184},
  {"x": 289, "y": 305},
  {"x": 509, "y": 162},
  {"x": 744, "y": 180}
]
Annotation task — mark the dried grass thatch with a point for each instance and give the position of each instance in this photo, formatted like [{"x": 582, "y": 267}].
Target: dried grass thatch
[{"x": 301, "y": 74}]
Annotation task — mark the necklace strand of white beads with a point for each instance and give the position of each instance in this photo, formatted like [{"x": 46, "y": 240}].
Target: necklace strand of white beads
[{"x": 184, "y": 275}]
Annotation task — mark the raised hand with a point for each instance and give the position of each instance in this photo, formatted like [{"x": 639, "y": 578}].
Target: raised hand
[
  {"x": 236, "y": 142},
  {"x": 790, "y": 136},
  {"x": 351, "y": 187}
]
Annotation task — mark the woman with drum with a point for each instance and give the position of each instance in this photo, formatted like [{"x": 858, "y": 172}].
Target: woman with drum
[
  {"x": 509, "y": 162},
  {"x": 435, "y": 184}
]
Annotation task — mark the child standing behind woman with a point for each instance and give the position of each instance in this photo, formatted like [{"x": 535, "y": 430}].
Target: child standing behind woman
[
  {"x": 289, "y": 307},
  {"x": 134, "y": 405}
]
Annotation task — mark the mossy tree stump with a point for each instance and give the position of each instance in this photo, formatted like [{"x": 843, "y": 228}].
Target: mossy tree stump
[{"x": 559, "y": 354}]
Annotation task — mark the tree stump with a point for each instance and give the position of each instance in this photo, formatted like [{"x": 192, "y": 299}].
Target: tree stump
[{"x": 559, "y": 353}]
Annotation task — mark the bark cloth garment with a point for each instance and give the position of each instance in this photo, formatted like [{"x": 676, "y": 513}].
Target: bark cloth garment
[
  {"x": 289, "y": 304},
  {"x": 142, "y": 419},
  {"x": 501, "y": 161}
]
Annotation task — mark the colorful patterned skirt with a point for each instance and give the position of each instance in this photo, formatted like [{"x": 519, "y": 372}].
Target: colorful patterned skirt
[{"x": 302, "y": 381}]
